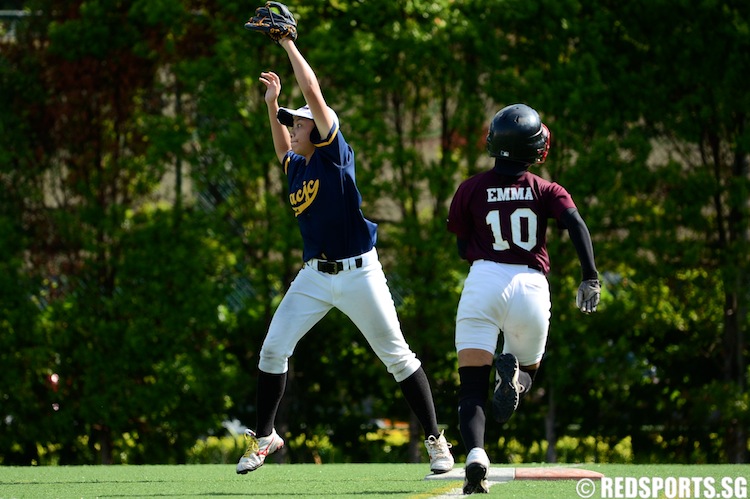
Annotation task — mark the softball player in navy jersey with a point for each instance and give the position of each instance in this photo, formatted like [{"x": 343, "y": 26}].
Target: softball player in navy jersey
[
  {"x": 500, "y": 221},
  {"x": 341, "y": 267}
]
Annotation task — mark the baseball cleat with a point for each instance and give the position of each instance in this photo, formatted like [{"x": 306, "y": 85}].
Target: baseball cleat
[
  {"x": 441, "y": 460},
  {"x": 475, "y": 471},
  {"x": 258, "y": 448},
  {"x": 507, "y": 389}
]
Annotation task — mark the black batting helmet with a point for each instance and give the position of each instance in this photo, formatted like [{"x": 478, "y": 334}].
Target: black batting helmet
[{"x": 517, "y": 133}]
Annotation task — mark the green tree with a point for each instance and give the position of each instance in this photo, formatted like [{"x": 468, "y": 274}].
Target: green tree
[{"x": 130, "y": 297}]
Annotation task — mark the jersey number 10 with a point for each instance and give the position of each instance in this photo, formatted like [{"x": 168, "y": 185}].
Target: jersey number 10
[{"x": 517, "y": 219}]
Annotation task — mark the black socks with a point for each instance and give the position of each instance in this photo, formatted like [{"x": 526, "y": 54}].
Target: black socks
[
  {"x": 270, "y": 391},
  {"x": 472, "y": 398},
  {"x": 416, "y": 389}
]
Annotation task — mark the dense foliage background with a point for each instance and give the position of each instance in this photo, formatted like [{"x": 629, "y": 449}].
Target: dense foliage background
[{"x": 145, "y": 236}]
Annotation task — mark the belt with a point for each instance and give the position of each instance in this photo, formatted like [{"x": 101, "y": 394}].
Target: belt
[{"x": 336, "y": 266}]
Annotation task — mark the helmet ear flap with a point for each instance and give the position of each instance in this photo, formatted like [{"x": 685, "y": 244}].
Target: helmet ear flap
[{"x": 542, "y": 153}]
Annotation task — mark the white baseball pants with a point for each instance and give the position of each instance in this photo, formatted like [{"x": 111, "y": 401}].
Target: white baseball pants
[
  {"x": 512, "y": 299},
  {"x": 360, "y": 293}
]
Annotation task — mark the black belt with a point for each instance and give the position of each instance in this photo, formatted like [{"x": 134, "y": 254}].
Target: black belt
[{"x": 334, "y": 267}]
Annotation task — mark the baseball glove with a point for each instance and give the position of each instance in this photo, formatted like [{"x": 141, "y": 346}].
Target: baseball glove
[{"x": 275, "y": 21}]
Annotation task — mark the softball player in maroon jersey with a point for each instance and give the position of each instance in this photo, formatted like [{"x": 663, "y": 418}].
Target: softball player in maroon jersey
[
  {"x": 500, "y": 220},
  {"x": 341, "y": 267}
]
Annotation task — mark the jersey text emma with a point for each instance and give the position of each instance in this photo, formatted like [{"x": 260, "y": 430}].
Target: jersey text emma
[{"x": 509, "y": 194}]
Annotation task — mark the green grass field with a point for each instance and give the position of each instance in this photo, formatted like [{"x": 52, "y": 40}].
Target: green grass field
[{"x": 309, "y": 480}]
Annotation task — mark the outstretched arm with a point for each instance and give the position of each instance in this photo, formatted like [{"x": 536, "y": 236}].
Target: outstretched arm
[
  {"x": 281, "y": 141},
  {"x": 581, "y": 239},
  {"x": 587, "y": 297},
  {"x": 310, "y": 87}
]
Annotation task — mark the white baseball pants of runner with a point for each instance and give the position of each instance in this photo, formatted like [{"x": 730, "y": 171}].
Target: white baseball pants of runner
[
  {"x": 512, "y": 299},
  {"x": 360, "y": 293}
]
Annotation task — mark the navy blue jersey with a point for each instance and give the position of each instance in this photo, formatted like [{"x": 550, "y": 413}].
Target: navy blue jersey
[
  {"x": 504, "y": 219},
  {"x": 326, "y": 201}
]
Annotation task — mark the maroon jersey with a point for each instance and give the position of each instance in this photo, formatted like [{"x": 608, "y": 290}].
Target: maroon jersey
[{"x": 504, "y": 219}]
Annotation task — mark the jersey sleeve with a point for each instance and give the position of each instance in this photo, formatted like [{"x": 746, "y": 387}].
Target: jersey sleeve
[
  {"x": 291, "y": 162},
  {"x": 334, "y": 148},
  {"x": 558, "y": 200},
  {"x": 459, "y": 217}
]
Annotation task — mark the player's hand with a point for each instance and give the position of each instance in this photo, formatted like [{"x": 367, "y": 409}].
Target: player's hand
[
  {"x": 273, "y": 86},
  {"x": 588, "y": 294}
]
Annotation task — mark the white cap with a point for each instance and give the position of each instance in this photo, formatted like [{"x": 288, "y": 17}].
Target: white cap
[{"x": 286, "y": 115}]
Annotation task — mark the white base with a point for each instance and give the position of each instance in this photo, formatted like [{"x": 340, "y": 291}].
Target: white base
[{"x": 496, "y": 475}]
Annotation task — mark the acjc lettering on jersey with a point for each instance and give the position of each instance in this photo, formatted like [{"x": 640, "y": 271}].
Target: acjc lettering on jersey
[{"x": 304, "y": 196}]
